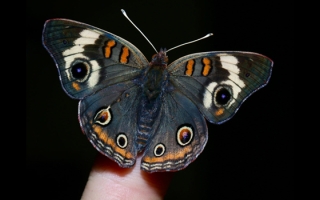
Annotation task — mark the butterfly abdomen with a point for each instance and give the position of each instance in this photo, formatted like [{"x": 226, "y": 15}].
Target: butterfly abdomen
[
  {"x": 152, "y": 86},
  {"x": 148, "y": 112}
]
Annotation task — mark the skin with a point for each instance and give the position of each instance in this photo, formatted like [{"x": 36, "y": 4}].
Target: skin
[{"x": 109, "y": 181}]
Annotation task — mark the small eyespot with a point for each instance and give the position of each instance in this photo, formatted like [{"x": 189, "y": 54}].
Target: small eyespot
[
  {"x": 103, "y": 116},
  {"x": 222, "y": 96},
  {"x": 122, "y": 140},
  {"x": 159, "y": 150},
  {"x": 80, "y": 69},
  {"x": 184, "y": 135}
]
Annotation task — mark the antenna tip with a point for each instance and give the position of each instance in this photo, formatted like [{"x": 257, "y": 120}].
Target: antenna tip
[
  {"x": 123, "y": 12},
  {"x": 210, "y": 34}
]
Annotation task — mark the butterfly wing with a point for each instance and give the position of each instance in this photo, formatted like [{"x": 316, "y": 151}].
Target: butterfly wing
[
  {"x": 99, "y": 68},
  {"x": 109, "y": 120},
  {"x": 179, "y": 135},
  {"x": 88, "y": 58},
  {"x": 219, "y": 82}
]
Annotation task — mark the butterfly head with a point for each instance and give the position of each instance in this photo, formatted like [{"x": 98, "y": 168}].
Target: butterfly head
[{"x": 160, "y": 59}]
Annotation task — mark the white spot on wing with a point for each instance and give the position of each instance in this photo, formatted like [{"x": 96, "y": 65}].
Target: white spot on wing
[
  {"x": 73, "y": 50},
  {"x": 230, "y": 63},
  {"x": 94, "y": 76},
  {"x": 89, "y": 34},
  {"x": 84, "y": 41},
  {"x": 88, "y": 37},
  {"x": 207, "y": 97},
  {"x": 237, "y": 80}
]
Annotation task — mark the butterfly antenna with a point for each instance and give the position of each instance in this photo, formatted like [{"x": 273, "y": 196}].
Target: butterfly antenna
[
  {"x": 125, "y": 14},
  {"x": 206, "y": 36}
]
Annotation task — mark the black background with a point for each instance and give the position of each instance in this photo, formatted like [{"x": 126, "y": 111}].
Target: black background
[{"x": 248, "y": 157}]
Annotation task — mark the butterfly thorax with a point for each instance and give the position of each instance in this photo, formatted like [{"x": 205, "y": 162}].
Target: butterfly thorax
[
  {"x": 154, "y": 75},
  {"x": 154, "y": 82},
  {"x": 160, "y": 59}
]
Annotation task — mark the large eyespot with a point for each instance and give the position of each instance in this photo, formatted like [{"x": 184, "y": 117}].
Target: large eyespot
[
  {"x": 103, "y": 117},
  {"x": 80, "y": 70},
  {"x": 222, "y": 96},
  {"x": 184, "y": 135},
  {"x": 159, "y": 150},
  {"x": 122, "y": 140}
]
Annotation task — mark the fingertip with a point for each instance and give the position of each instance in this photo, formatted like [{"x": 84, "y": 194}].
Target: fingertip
[{"x": 108, "y": 180}]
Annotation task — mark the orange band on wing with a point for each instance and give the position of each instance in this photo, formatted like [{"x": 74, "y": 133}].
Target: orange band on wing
[
  {"x": 103, "y": 136},
  {"x": 189, "y": 68},
  {"x": 124, "y": 55},
  {"x": 169, "y": 156},
  {"x": 76, "y": 86},
  {"x": 219, "y": 112},
  {"x": 207, "y": 66},
  {"x": 108, "y": 47}
]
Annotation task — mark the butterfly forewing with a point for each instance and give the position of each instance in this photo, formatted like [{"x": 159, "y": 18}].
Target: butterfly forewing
[
  {"x": 89, "y": 59},
  {"x": 218, "y": 82}
]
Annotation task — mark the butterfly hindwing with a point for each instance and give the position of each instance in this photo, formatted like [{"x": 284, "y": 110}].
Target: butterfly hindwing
[
  {"x": 178, "y": 138},
  {"x": 108, "y": 118},
  {"x": 88, "y": 58},
  {"x": 219, "y": 82}
]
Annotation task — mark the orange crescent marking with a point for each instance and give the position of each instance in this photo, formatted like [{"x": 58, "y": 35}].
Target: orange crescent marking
[
  {"x": 103, "y": 136},
  {"x": 123, "y": 153},
  {"x": 76, "y": 86},
  {"x": 207, "y": 66},
  {"x": 170, "y": 156},
  {"x": 109, "y": 45},
  {"x": 124, "y": 55},
  {"x": 189, "y": 67},
  {"x": 219, "y": 112}
]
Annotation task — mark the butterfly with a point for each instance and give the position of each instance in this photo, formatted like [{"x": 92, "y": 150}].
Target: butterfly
[{"x": 130, "y": 105}]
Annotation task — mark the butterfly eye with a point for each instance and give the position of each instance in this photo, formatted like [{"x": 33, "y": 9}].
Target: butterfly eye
[
  {"x": 122, "y": 140},
  {"x": 222, "y": 96},
  {"x": 159, "y": 150},
  {"x": 80, "y": 71},
  {"x": 166, "y": 60},
  {"x": 184, "y": 135},
  {"x": 154, "y": 55}
]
